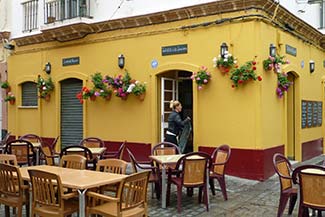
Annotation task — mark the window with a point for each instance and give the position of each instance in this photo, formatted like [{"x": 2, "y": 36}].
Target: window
[
  {"x": 29, "y": 94},
  {"x": 30, "y": 9}
]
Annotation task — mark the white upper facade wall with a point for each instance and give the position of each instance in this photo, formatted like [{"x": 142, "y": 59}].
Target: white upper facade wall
[{"x": 11, "y": 11}]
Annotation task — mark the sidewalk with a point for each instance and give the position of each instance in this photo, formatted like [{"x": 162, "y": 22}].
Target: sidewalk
[{"x": 245, "y": 198}]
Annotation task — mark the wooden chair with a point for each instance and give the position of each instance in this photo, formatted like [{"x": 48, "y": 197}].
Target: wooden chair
[
  {"x": 53, "y": 144},
  {"x": 13, "y": 193},
  {"x": 49, "y": 198},
  {"x": 23, "y": 150},
  {"x": 8, "y": 159},
  {"x": 111, "y": 166},
  {"x": 73, "y": 161},
  {"x": 192, "y": 172},
  {"x": 165, "y": 148},
  {"x": 131, "y": 199},
  {"x": 92, "y": 142},
  {"x": 154, "y": 172},
  {"x": 84, "y": 151},
  {"x": 283, "y": 168},
  {"x": 220, "y": 157}
]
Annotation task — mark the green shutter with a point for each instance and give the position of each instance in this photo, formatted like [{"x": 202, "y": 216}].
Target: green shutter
[
  {"x": 71, "y": 113},
  {"x": 29, "y": 94}
]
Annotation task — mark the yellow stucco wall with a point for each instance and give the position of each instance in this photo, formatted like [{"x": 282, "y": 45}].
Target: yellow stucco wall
[{"x": 249, "y": 117}]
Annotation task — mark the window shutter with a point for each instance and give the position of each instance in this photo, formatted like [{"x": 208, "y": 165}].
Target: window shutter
[{"x": 29, "y": 94}]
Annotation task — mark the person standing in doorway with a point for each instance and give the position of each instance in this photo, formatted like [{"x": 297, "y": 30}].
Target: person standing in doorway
[{"x": 175, "y": 123}]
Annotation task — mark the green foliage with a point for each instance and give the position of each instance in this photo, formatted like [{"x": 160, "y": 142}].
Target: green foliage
[
  {"x": 202, "y": 77},
  {"x": 139, "y": 88},
  {"x": 244, "y": 74},
  {"x": 44, "y": 86},
  {"x": 10, "y": 97},
  {"x": 5, "y": 85}
]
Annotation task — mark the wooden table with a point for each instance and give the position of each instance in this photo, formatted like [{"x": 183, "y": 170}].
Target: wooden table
[
  {"x": 97, "y": 152},
  {"x": 77, "y": 179},
  {"x": 314, "y": 171}
]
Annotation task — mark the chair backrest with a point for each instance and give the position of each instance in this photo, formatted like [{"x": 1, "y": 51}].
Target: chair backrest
[
  {"x": 32, "y": 138},
  {"x": 283, "y": 168},
  {"x": 133, "y": 191},
  {"x": 121, "y": 150},
  {"x": 10, "y": 181},
  {"x": 194, "y": 168},
  {"x": 112, "y": 166},
  {"x": 48, "y": 153},
  {"x": 23, "y": 150},
  {"x": 92, "y": 142},
  {"x": 46, "y": 188},
  {"x": 55, "y": 141},
  {"x": 84, "y": 151},
  {"x": 9, "y": 159},
  {"x": 134, "y": 162},
  {"x": 165, "y": 148},
  {"x": 311, "y": 180},
  {"x": 73, "y": 161},
  {"x": 220, "y": 157}
]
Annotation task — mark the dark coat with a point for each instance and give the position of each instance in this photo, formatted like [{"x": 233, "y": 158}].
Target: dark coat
[{"x": 175, "y": 123}]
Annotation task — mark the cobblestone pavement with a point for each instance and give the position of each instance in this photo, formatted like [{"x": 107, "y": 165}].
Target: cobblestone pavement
[{"x": 245, "y": 198}]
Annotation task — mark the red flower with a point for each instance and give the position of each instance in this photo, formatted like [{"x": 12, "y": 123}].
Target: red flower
[
  {"x": 233, "y": 86},
  {"x": 240, "y": 81},
  {"x": 259, "y": 78},
  {"x": 226, "y": 70},
  {"x": 254, "y": 68},
  {"x": 254, "y": 62},
  {"x": 84, "y": 88}
]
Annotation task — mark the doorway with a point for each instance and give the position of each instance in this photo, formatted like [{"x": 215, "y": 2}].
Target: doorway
[
  {"x": 71, "y": 113},
  {"x": 176, "y": 85},
  {"x": 291, "y": 113}
]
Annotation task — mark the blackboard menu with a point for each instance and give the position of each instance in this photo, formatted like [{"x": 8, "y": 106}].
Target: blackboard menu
[
  {"x": 311, "y": 113},
  {"x": 303, "y": 114}
]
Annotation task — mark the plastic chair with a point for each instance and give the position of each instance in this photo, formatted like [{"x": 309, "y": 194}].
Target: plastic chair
[
  {"x": 23, "y": 150},
  {"x": 165, "y": 148},
  {"x": 32, "y": 138},
  {"x": 119, "y": 154},
  {"x": 84, "y": 151},
  {"x": 131, "y": 199},
  {"x": 49, "y": 198},
  {"x": 9, "y": 159},
  {"x": 73, "y": 161},
  {"x": 220, "y": 158},
  {"x": 283, "y": 168},
  {"x": 192, "y": 172}
]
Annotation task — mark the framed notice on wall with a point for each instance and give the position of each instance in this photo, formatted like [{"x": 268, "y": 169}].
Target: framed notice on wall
[{"x": 311, "y": 113}]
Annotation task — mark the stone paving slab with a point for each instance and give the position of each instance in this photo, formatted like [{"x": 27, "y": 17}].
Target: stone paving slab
[{"x": 245, "y": 198}]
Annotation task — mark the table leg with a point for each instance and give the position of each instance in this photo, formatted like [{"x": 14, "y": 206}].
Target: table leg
[
  {"x": 37, "y": 156},
  {"x": 82, "y": 202},
  {"x": 163, "y": 187}
]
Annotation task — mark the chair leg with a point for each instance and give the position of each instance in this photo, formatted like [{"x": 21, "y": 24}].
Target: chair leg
[
  {"x": 200, "y": 194},
  {"x": 168, "y": 194},
  {"x": 20, "y": 211},
  {"x": 179, "y": 199},
  {"x": 206, "y": 191},
  {"x": 302, "y": 211},
  {"x": 211, "y": 183},
  {"x": 292, "y": 202},
  {"x": 222, "y": 184},
  {"x": 319, "y": 213},
  {"x": 157, "y": 188},
  {"x": 282, "y": 204}
]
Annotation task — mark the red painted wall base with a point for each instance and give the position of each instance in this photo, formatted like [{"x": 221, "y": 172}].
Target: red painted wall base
[
  {"x": 250, "y": 163},
  {"x": 312, "y": 149}
]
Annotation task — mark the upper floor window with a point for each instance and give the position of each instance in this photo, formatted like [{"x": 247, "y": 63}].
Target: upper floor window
[
  {"x": 29, "y": 94},
  {"x": 30, "y": 9},
  {"x": 56, "y": 10}
]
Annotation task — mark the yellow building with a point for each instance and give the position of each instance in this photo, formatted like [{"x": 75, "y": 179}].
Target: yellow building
[{"x": 163, "y": 49}]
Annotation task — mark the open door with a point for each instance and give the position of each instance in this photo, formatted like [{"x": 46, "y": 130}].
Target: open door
[{"x": 169, "y": 91}]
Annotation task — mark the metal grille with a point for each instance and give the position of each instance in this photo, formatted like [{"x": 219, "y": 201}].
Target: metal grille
[
  {"x": 65, "y": 9},
  {"x": 71, "y": 113},
  {"x": 29, "y": 94},
  {"x": 30, "y": 9}
]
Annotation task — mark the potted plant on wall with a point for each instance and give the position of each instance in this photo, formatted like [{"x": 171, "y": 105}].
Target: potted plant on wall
[
  {"x": 10, "y": 98},
  {"x": 139, "y": 90},
  {"x": 225, "y": 63},
  {"x": 45, "y": 87},
  {"x": 274, "y": 63},
  {"x": 202, "y": 77},
  {"x": 86, "y": 93},
  {"x": 121, "y": 85},
  {"x": 283, "y": 84},
  {"x": 5, "y": 85},
  {"x": 244, "y": 74},
  {"x": 103, "y": 89}
]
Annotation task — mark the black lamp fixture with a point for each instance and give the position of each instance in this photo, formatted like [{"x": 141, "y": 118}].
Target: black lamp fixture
[
  {"x": 272, "y": 50},
  {"x": 223, "y": 49},
  {"x": 311, "y": 66},
  {"x": 47, "y": 68},
  {"x": 121, "y": 61}
]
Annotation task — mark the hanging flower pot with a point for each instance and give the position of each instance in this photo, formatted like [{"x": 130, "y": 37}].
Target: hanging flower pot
[
  {"x": 92, "y": 98},
  {"x": 108, "y": 97},
  {"x": 223, "y": 70},
  {"x": 141, "y": 96},
  {"x": 47, "y": 97},
  {"x": 12, "y": 101},
  {"x": 124, "y": 97},
  {"x": 8, "y": 89}
]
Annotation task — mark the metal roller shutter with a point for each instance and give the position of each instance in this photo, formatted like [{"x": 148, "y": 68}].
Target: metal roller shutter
[
  {"x": 29, "y": 94},
  {"x": 71, "y": 113}
]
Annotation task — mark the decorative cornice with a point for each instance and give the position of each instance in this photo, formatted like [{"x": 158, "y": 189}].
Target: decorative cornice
[{"x": 275, "y": 12}]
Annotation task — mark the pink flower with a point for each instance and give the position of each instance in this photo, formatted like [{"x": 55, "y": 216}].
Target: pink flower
[
  {"x": 96, "y": 93},
  {"x": 199, "y": 87},
  {"x": 287, "y": 62},
  {"x": 205, "y": 81},
  {"x": 198, "y": 78},
  {"x": 204, "y": 68}
]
